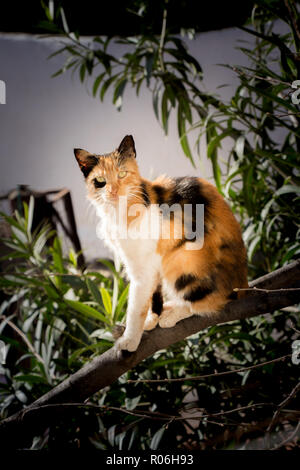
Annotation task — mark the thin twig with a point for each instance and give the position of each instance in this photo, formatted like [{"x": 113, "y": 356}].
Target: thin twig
[
  {"x": 148, "y": 414},
  {"x": 283, "y": 115},
  {"x": 289, "y": 438},
  {"x": 271, "y": 80},
  {"x": 293, "y": 19},
  {"x": 254, "y": 289},
  {"x": 292, "y": 324},
  {"x": 282, "y": 405},
  {"x": 162, "y": 39},
  {"x": 24, "y": 338},
  {"x": 217, "y": 374}
]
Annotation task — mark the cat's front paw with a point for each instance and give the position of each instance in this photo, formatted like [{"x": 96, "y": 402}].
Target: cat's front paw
[{"x": 127, "y": 343}]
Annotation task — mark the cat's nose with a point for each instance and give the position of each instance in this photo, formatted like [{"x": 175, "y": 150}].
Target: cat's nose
[{"x": 113, "y": 190}]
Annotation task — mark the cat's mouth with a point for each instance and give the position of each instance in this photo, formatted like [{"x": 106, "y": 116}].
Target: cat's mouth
[{"x": 112, "y": 198}]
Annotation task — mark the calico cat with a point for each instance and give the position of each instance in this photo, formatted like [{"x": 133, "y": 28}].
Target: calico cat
[{"x": 189, "y": 271}]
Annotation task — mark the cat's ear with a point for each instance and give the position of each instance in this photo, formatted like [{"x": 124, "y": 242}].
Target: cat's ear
[
  {"x": 86, "y": 161},
  {"x": 126, "y": 148}
]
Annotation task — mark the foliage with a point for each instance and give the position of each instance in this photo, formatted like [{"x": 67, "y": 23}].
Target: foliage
[
  {"x": 66, "y": 317},
  {"x": 260, "y": 124}
]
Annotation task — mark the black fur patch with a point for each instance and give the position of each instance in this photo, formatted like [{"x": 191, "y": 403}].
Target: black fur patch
[
  {"x": 229, "y": 245},
  {"x": 233, "y": 296},
  {"x": 203, "y": 288},
  {"x": 188, "y": 190},
  {"x": 225, "y": 246},
  {"x": 180, "y": 243},
  {"x": 198, "y": 293},
  {"x": 145, "y": 194},
  {"x": 159, "y": 193},
  {"x": 87, "y": 164},
  {"x": 157, "y": 301},
  {"x": 184, "y": 280}
]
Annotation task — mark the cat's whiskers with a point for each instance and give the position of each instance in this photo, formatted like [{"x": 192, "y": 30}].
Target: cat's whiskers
[{"x": 139, "y": 193}]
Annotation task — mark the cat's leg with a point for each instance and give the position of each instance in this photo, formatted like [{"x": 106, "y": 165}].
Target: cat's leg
[
  {"x": 175, "y": 311},
  {"x": 140, "y": 294}
]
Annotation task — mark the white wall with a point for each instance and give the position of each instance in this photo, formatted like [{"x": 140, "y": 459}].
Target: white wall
[{"x": 44, "y": 118}]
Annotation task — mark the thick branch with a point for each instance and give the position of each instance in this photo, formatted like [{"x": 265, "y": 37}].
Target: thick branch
[{"x": 105, "y": 369}]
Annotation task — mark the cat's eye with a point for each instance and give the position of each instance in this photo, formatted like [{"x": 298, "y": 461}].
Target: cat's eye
[
  {"x": 99, "y": 182},
  {"x": 122, "y": 174}
]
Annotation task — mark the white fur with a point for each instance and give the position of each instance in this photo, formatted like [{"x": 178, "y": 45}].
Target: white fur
[{"x": 142, "y": 263}]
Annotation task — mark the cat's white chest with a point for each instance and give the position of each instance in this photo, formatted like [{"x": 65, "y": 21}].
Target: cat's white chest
[{"x": 134, "y": 243}]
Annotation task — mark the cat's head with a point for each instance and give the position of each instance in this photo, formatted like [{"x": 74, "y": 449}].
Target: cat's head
[{"x": 111, "y": 175}]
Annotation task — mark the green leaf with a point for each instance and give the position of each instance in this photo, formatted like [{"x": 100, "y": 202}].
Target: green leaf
[
  {"x": 86, "y": 310},
  {"x": 182, "y": 134},
  {"x": 118, "y": 93},
  {"x": 165, "y": 111},
  {"x": 30, "y": 215},
  {"x": 215, "y": 142},
  {"x": 155, "y": 101},
  {"x": 273, "y": 97},
  {"x": 239, "y": 147},
  {"x": 288, "y": 188},
  {"x": 252, "y": 247},
  {"x": 57, "y": 256},
  {"x": 82, "y": 71},
  {"x": 266, "y": 209},
  {"x": 97, "y": 83},
  {"x": 94, "y": 289},
  {"x": 59, "y": 72},
  {"x": 11, "y": 221},
  {"x": 109, "y": 265},
  {"x": 31, "y": 378},
  {"x": 157, "y": 438},
  {"x": 111, "y": 435},
  {"x": 73, "y": 280},
  {"x": 122, "y": 300},
  {"x": 131, "y": 403},
  {"x": 106, "y": 85},
  {"x": 293, "y": 250},
  {"x": 186, "y": 109},
  {"x": 149, "y": 66},
  {"x": 248, "y": 187},
  {"x": 106, "y": 299}
]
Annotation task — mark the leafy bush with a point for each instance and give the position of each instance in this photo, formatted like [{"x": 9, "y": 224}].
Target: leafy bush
[
  {"x": 260, "y": 174},
  {"x": 57, "y": 318},
  {"x": 66, "y": 315},
  {"x": 63, "y": 316}
]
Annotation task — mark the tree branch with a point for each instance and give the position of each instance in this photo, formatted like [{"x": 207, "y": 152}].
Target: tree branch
[{"x": 105, "y": 369}]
